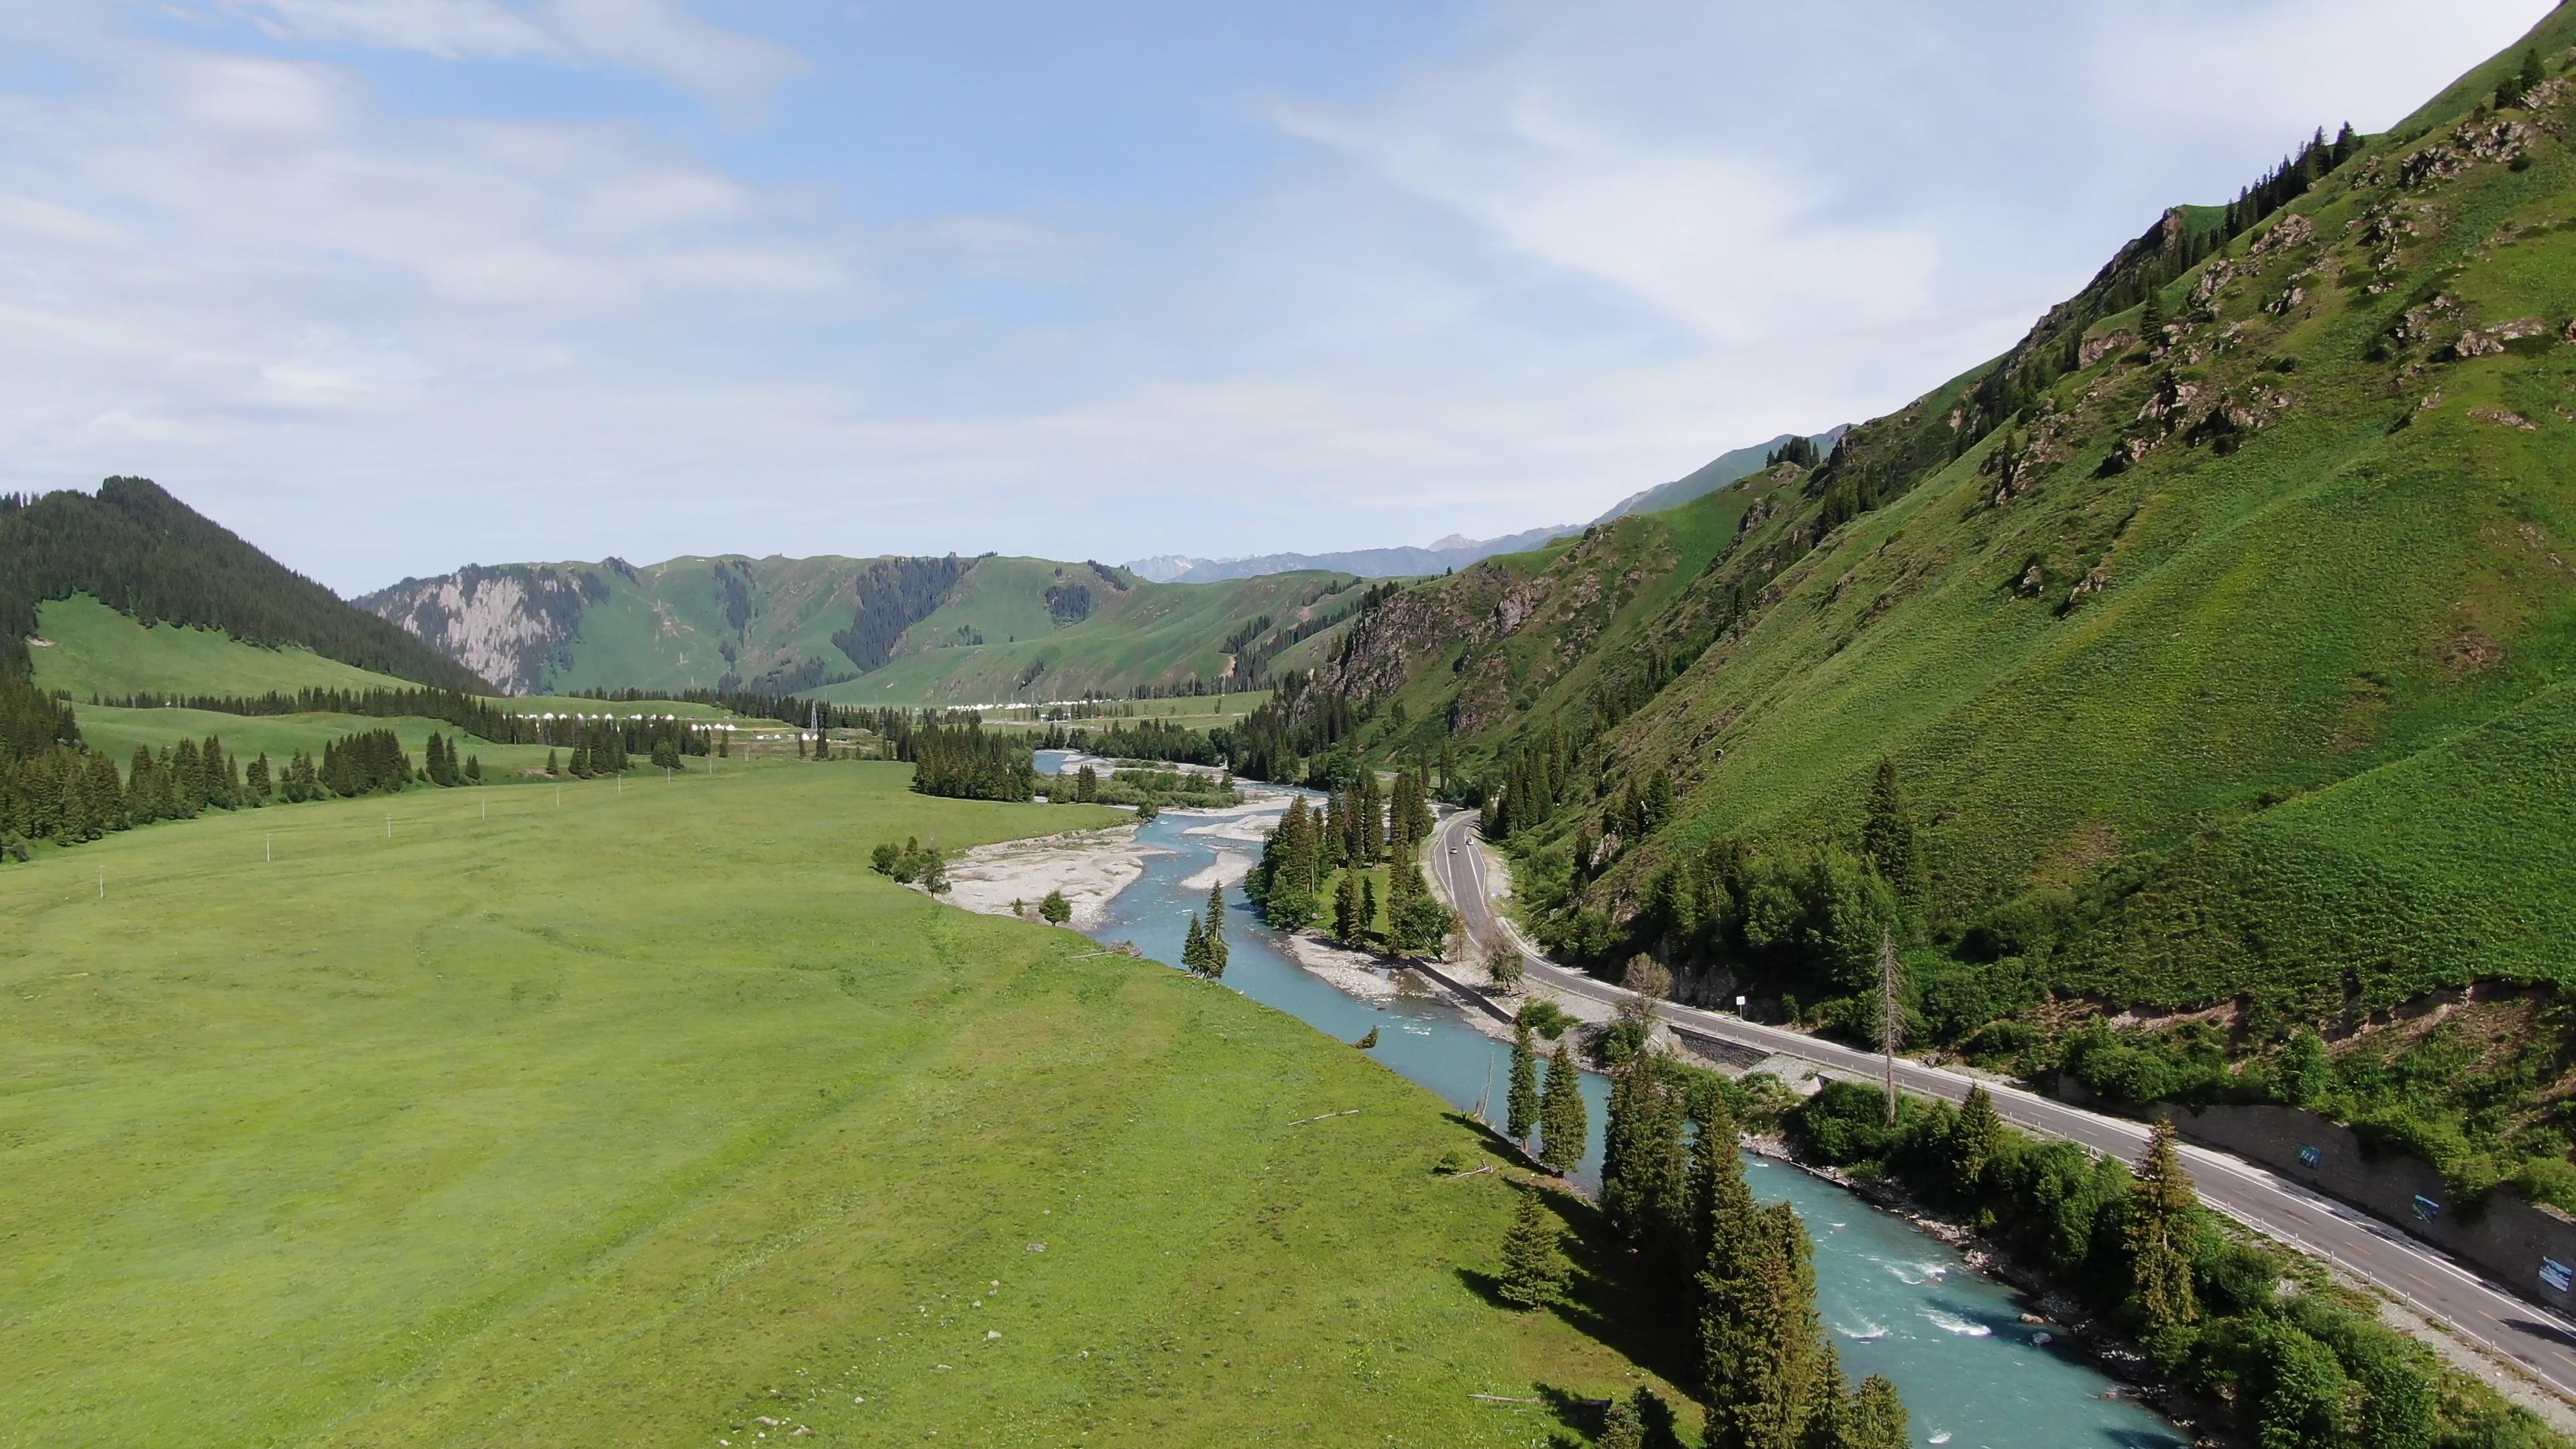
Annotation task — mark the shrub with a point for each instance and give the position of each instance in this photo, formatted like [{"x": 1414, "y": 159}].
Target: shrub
[
  {"x": 1545, "y": 1017},
  {"x": 1055, "y": 910}
]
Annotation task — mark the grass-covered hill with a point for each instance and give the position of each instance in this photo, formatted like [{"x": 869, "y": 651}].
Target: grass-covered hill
[
  {"x": 655, "y": 1117},
  {"x": 152, "y": 559},
  {"x": 907, "y": 631},
  {"x": 86, "y": 649},
  {"x": 2218, "y": 634}
]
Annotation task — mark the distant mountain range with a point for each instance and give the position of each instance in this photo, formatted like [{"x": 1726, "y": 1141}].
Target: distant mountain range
[
  {"x": 1455, "y": 551},
  {"x": 1452, "y": 552},
  {"x": 1725, "y": 468}
]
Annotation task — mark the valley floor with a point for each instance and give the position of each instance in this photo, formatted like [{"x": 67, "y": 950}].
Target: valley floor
[{"x": 651, "y": 1117}]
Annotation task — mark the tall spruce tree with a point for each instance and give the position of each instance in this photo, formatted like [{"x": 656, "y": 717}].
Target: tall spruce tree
[
  {"x": 1534, "y": 1269},
  {"x": 1976, "y": 1145},
  {"x": 1762, "y": 1347},
  {"x": 1889, "y": 839},
  {"x": 1194, "y": 949},
  {"x": 1564, "y": 1122},
  {"x": 1216, "y": 949},
  {"x": 2163, "y": 1236},
  {"x": 1348, "y": 918},
  {"x": 1522, "y": 1104},
  {"x": 1875, "y": 1418},
  {"x": 1632, "y": 1146}
]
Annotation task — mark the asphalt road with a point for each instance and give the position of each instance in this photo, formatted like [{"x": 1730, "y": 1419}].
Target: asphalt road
[{"x": 2437, "y": 1287}]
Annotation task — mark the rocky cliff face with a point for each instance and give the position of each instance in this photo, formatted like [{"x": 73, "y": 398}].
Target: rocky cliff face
[
  {"x": 506, "y": 624},
  {"x": 1507, "y": 636}
]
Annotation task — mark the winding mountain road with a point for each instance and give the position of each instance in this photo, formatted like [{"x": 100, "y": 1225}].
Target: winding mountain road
[{"x": 2507, "y": 1328}]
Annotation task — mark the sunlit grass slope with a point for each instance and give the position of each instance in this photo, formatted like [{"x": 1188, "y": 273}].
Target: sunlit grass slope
[
  {"x": 97, "y": 652},
  {"x": 637, "y": 1119},
  {"x": 279, "y": 736}
]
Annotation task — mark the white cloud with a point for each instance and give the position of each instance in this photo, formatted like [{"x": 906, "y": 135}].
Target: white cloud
[
  {"x": 453, "y": 29},
  {"x": 733, "y": 72},
  {"x": 1574, "y": 255},
  {"x": 2286, "y": 66},
  {"x": 1724, "y": 242},
  {"x": 660, "y": 38}
]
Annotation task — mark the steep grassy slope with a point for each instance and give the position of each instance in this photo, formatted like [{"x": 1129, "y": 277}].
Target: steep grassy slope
[
  {"x": 94, "y": 652},
  {"x": 1522, "y": 641},
  {"x": 149, "y": 556},
  {"x": 658, "y": 1119},
  {"x": 1152, "y": 634},
  {"x": 865, "y": 631},
  {"x": 2191, "y": 617},
  {"x": 1714, "y": 474}
]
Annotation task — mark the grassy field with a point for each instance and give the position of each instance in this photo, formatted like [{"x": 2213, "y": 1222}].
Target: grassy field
[
  {"x": 577, "y": 704},
  {"x": 98, "y": 652},
  {"x": 118, "y": 731},
  {"x": 1196, "y": 712},
  {"x": 641, "y": 1118}
]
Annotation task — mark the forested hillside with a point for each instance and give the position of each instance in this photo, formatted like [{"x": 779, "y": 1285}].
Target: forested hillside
[
  {"x": 2202, "y": 658},
  {"x": 145, "y": 554},
  {"x": 877, "y": 631}
]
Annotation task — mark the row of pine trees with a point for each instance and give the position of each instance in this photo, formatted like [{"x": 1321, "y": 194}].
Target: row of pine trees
[
  {"x": 68, "y": 793},
  {"x": 1740, "y": 1295}
]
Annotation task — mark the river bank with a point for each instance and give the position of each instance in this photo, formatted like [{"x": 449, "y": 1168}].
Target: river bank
[
  {"x": 2055, "y": 1318},
  {"x": 1010, "y": 877},
  {"x": 1899, "y": 1299}
]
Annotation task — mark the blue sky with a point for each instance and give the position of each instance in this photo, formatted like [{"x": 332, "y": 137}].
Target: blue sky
[{"x": 390, "y": 286}]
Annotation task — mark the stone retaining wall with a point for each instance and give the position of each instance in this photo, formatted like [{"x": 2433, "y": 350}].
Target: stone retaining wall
[{"x": 2527, "y": 1247}]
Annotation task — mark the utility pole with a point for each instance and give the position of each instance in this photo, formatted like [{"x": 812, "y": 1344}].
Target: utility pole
[
  {"x": 389, "y": 827},
  {"x": 268, "y": 850},
  {"x": 1891, "y": 1014},
  {"x": 102, "y": 882}
]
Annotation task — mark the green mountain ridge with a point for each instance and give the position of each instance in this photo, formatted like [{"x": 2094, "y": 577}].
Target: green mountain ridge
[
  {"x": 2219, "y": 633},
  {"x": 152, "y": 558},
  {"x": 890, "y": 630}
]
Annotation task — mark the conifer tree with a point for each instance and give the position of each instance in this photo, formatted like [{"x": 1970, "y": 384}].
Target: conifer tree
[
  {"x": 1563, "y": 1119},
  {"x": 1215, "y": 952},
  {"x": 554, "y": 767},
  {"x": 1055, "y": 910},
  {"x": 1621, "y": 1428},
  {"x": 1368, "y": 903},
  {"x": 1627, "y": 1145},
  {"x": 1521, "y": 1106},
  {"x": 1194, "y": 949},
  {"x": 1976, "y": 1143},
  {"x": 1348, "y": 921},
  {"x": 1761, "y": 1343},
  {"x": 258, "y": 783},
  {"x": 1534, "y": 1269},
  {"x": 1875, "y": 1418},
  {"x": 1889, "y": 839},
  {"x": 2163, "y": 1236}
]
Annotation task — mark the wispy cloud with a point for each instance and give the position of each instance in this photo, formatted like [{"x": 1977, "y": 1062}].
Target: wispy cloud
[
  {"x": 733, "y": 72},
  {"x": 388, "y": 316}
]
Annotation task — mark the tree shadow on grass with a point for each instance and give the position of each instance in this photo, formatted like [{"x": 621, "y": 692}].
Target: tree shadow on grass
[
  {"x": 1614, "y": 1296},
  {"x": 1618, "y": 1298},
  {"x": 1499, "y": 1149}
]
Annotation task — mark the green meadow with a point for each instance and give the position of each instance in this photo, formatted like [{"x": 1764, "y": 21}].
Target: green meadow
[
  {"x": 279, "y": 736},
  {"x": 653, "y": 1115},
  {"x": 95, "y": 652}
]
